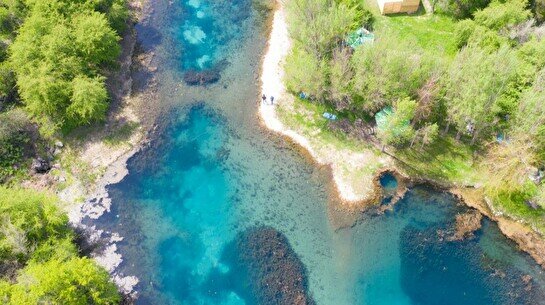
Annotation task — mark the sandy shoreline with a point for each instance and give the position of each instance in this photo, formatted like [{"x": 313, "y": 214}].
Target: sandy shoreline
[
  {"x": 272, "y": 85},
  {"x": 278, "y": 48}
]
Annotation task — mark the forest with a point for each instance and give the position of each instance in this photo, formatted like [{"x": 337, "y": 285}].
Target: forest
[{"x": 471, "y": 77}]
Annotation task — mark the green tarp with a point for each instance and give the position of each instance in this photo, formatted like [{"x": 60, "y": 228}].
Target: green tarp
[
  {"x": 381, "y": 116},
  {"x": 359, "y": 37},
  {"x": 381, "y": 120}
]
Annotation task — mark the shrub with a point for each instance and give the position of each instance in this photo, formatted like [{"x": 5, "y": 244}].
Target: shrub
[
  {"x": 459, "y": 9},
  {"x": 499, "y": 15},
  {"x": 16, "y": 133},
  {"x": 464, "y": 30},
  {"x": 28, "y": 221}
]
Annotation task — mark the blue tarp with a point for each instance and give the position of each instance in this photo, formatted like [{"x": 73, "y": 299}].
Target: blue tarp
[{"x": 329, "y": 116}]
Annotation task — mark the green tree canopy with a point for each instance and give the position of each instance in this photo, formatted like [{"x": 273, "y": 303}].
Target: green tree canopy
[
  {"x": 62, "y": 48},
  {"x": 476, "y": 81},
  {"x": 387, "y": 70},
  {"x": 77, "y": 281}
]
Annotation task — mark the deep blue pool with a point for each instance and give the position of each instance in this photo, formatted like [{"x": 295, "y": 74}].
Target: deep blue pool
[{"x": 218, "y": 211}]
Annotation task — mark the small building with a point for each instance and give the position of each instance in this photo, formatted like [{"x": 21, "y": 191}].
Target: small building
[{"x": 398, "y": 6}]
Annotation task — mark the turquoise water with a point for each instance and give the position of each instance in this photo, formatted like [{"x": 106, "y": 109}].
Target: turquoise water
[{"x": 212, "y": 177}]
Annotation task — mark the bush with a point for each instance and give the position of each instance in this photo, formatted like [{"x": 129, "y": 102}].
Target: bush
[
  {"x": 35, "y": 234},
  {"x": 459, "y": 9},
  {"x": 499, "y": 15},
  {"x": 16, "y": 133},
  {"x": 28, "y": 221}
]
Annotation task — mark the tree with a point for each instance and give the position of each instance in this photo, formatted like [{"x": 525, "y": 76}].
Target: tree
[
  {"x": 533, "y": 52},
  {"x": 473, "y": 86},
  {"x": 509, "y": 164},
  {"x": 387, "y": 70},
  {"x": 89, "y": 99},
  {"x": 78, "y": 281},
  {"x": 426, "y": 135},
  {"x": 306, "y": 73},
  {"x": 27, "y": 220},
  {"x": 38, "y": 258},
  {"x": 539, "y": 10},
  {"x": 16, "y": 135},
  {"x": 96, "y": 42},
  {"x": 317, "y": 26},
  {"x": 340, "y": 76},
  {"x": 62, "y": 48},
  {"x": 396, "y": 128}
]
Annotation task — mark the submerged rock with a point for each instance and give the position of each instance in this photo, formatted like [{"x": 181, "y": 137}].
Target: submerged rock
[
  {"x": 273, "y": 273},
  {"x": 466, "y": 225},
  {"x": 199, "y": 78}
]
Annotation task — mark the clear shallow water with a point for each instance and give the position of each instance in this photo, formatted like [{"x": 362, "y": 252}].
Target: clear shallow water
[{"x": 212, "y": 174}]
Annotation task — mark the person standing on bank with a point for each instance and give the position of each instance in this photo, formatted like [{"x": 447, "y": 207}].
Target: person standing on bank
[
  {"x": 264, "y": 98},
  {"x": 272, "y": 100}
]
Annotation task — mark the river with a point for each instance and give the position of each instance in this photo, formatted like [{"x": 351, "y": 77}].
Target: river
[{"x": 212, "y": 173}]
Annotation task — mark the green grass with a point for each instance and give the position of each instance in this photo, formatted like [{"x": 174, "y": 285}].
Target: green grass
[
  {"x": 307, "y": 117},
  {"x": 433, "y": 33},
  {"x": 513, "y": 203},
  {"x": 445, "y": 160}
]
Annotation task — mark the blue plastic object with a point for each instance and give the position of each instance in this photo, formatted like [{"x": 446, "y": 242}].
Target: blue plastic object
[{"x": 329, "y": 116}]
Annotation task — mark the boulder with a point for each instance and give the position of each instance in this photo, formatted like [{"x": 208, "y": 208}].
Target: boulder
[{"x": 40, "y": 166}]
